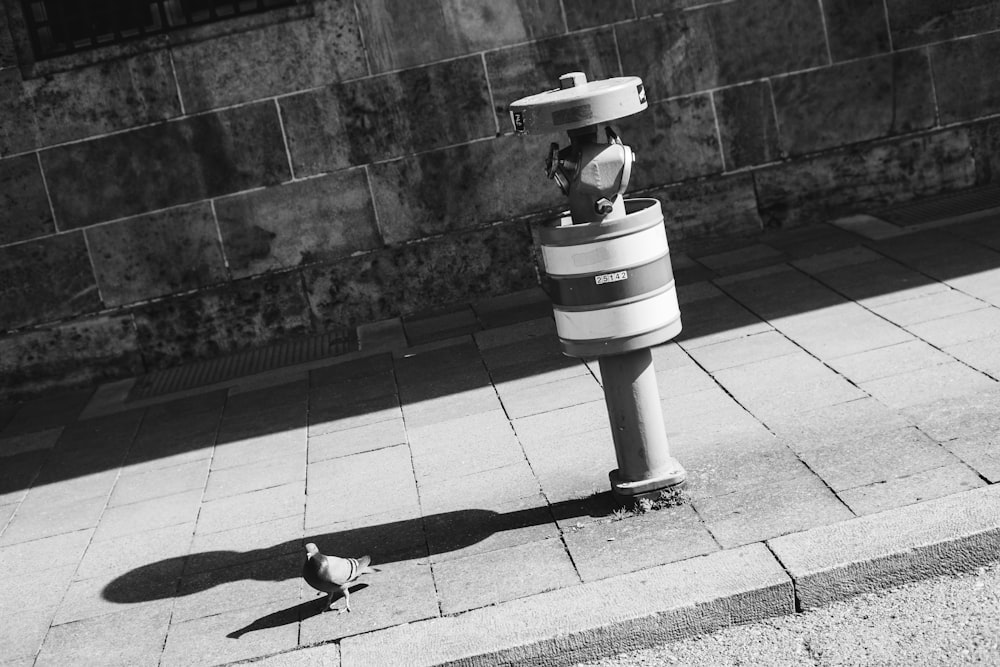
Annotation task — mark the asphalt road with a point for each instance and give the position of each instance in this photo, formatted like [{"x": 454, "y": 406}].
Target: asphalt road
[{"x": 942, "y": 621}]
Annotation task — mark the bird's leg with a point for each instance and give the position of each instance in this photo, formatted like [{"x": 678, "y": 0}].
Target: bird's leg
[
  {"x": 329, "y": 601},
  {"x": 347, "y": 599}
]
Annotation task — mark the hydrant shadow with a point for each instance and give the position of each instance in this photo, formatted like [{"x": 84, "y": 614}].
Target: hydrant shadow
[{"x": 386, "y": 543}]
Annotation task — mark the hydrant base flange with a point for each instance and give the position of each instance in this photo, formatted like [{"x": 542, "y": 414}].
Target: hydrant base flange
[{"x": 634, "y": 490}]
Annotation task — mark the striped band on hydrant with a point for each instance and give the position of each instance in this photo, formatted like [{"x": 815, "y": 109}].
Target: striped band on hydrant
[{"x": 611, "y": 283}]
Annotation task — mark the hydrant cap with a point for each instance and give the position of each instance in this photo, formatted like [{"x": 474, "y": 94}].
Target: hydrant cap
[{"x": 579, "y": 103}]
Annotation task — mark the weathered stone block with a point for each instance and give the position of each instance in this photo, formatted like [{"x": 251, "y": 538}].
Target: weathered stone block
[
  {"x": 854, "y": 102},
  {"x": 915, "y": 22},
  {"x": 167, "y": 164},
  {"x": 462, "y": 187},
  {"x": 213, "y": 322},
  {"x": 275, "y": 59},
  {"x": 674, "y": 141},
  {"x": 747, "y": 125},
  {"x": 591, "y": 13},
  {"x": 315, "y": 220},
  {"x": 18, "y": 130},
  {"x": 157, "y": 254},
  {"x": 8, "y": 58},
  {"x": 856, "y": 28},
  {"x": 24, "y": 206},
  {"x": 404, "y": 33},
  {"x": 64, "y": 355},
  {"x": 723, "y": 44},
  {"x": 724, "y": 206},
  {"x": 531, "y": 68},
  {"x": 647, "y": 7},
  {"x": 44, "y": 280},
  {"x": 419, "y": 276},
  {"x": 112, "y": 95},
  {"x": 386, "y": 116},
  {"x": 966, "y": 76},
  {"x": 863, "y": 179}
]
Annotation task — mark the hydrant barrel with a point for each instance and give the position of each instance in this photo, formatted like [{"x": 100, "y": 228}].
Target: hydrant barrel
[{"x": 611, "y": 283}]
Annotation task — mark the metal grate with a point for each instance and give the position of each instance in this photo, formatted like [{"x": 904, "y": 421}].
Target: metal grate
[
  {"x": 58, "y": 27},
  {"x": 942, "y": 207},
  {"x": 242, "y": 364}
]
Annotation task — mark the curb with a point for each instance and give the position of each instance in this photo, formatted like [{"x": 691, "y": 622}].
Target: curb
[{"x": 696, "y": 596}]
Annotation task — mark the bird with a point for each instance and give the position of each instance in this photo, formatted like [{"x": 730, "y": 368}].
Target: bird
[{"x": 332, "y": 574}]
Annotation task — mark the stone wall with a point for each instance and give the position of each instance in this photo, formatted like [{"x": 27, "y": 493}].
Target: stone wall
[{"x": 342, "y": 162}]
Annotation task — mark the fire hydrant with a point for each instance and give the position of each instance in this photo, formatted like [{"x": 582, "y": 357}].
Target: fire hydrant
[{"x": 606, "y": 268}]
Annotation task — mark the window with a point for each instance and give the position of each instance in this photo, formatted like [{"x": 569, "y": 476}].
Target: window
[{"x": 58, "y": 27}]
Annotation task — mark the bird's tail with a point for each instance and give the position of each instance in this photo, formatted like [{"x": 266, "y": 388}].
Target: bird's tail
[{"x": 364, "y": 566}]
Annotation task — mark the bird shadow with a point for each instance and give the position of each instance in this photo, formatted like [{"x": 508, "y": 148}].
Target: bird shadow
[{"x": 293, "y": 614}]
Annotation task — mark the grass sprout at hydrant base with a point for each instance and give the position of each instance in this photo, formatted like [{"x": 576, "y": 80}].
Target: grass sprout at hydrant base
[{"x": 671, "y": 497}]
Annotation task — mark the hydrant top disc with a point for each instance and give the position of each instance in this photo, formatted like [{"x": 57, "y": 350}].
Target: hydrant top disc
[{"x": 591, "y": 103}]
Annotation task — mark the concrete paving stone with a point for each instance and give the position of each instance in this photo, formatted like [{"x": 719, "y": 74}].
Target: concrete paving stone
[
  {"x": 17, "y": 474},
  {"x": 353, "y": 389},
  {"x": 7, "y": 411},
  {"x": 811, "y": 241},
  {"x": 943, "y": 303},
  {"x": 47, "y": 412},
  {"x": 879, "y": 282},
  {"x": 327, "y": 418},
  {"x": 771, "y": 509},
  {"x": 135, "y": 487},
  {"x": 29, "y": 442},
  {"x": 381, "y": 336},
  {"x": 963, "y": 327},
  {"x": 522, "y": 306},
  {"x": 513, "y": 378},
  {"x": 981, "y": 453},
  {"x": 972, "y": 415},
  {"x": 717, "y": 319},
  {"x": 928, "y": 384},
  {"x": 348, "y": 367},
  {"x": 35, "y": 589},
  {"x": 387, "y": 537},
  {"x": 59, "y": 550},
  {"x": 956, "y": 533},
  {"x": 252, "y": 507},
  {"x": 264, "y": 422},
  {"x": 488, "y": 426},
  {"x": 742, "y": 259},
  {"x": 231, "y": 588},
  {"x": 435, "y": 384},
  {"x": 99, "y": 640},
  {"x": 90, "y": 598},
  {"x": 421, "y": 361},
  {"x": 839, "y": 331},
  {"x": 868, "y": 226},
  {"x": 442, "y": 465},
  {"x": 451, "y": 406},
  {"x": 174, "y": 433},
  {"x": 541, "y": 398},
  {"x": 399, "y": 594},
  {"x": 477, "y": 529},
  {"x": 288, "y": 466},
  {"x": 698, "y": 291},
  {"x": 324, "y": 655},
  {"x": 982, "y": 354},
  {"x": 890, "y": 360},
  {"x": 834, "y": 423},
  {"x": 369, "y": 437},
  {"x": 438, "y": 326},
  {"x": 22, "y": 634},
  {"x": 68, "y": 489},
  {"x": 681, "y": 380},
  {"x": 267, "y": 629},
  {"x": 611, "y": 547},
  {"x": 745, "y": 350},
  {"x": 289, "y": 396},
  {"x": 360, "y": 485},
  {"x": 6, "y": 512},
  {"x": 163, "y": 547},
  {"x": 981, "y": 285},
  {"x": 257, "y": 541},
  {"x": 504, "y": 574},
  {"x": 604, "y": 617},
  {"x": 271, "y": 379},
  {"x": 542, "y": 328},
  {"x": 573, "y": 466},
  {"x": 847, "y": 464},
  {"x": 837, "y": 259},
  {"x": 479, "y": 489},
  {"x": 45, "y": 520},
  {"x": 780, "y": 292},
  {"x": 787, "y": 384},
  {"x": 537, "y": 430},
  {"x": 669, "y": 355},
  {"x": 250, "y": 449},
  {"x": 736, "y": 464},
  {"x": 180, "y": 508},
  {"x": 915, "y": 488}
]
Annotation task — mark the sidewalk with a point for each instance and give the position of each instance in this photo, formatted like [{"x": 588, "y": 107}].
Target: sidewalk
[{"x": 833, "y": 396}]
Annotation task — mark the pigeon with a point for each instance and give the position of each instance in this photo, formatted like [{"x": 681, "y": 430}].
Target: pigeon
[{"x": 332, "y": 574}]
